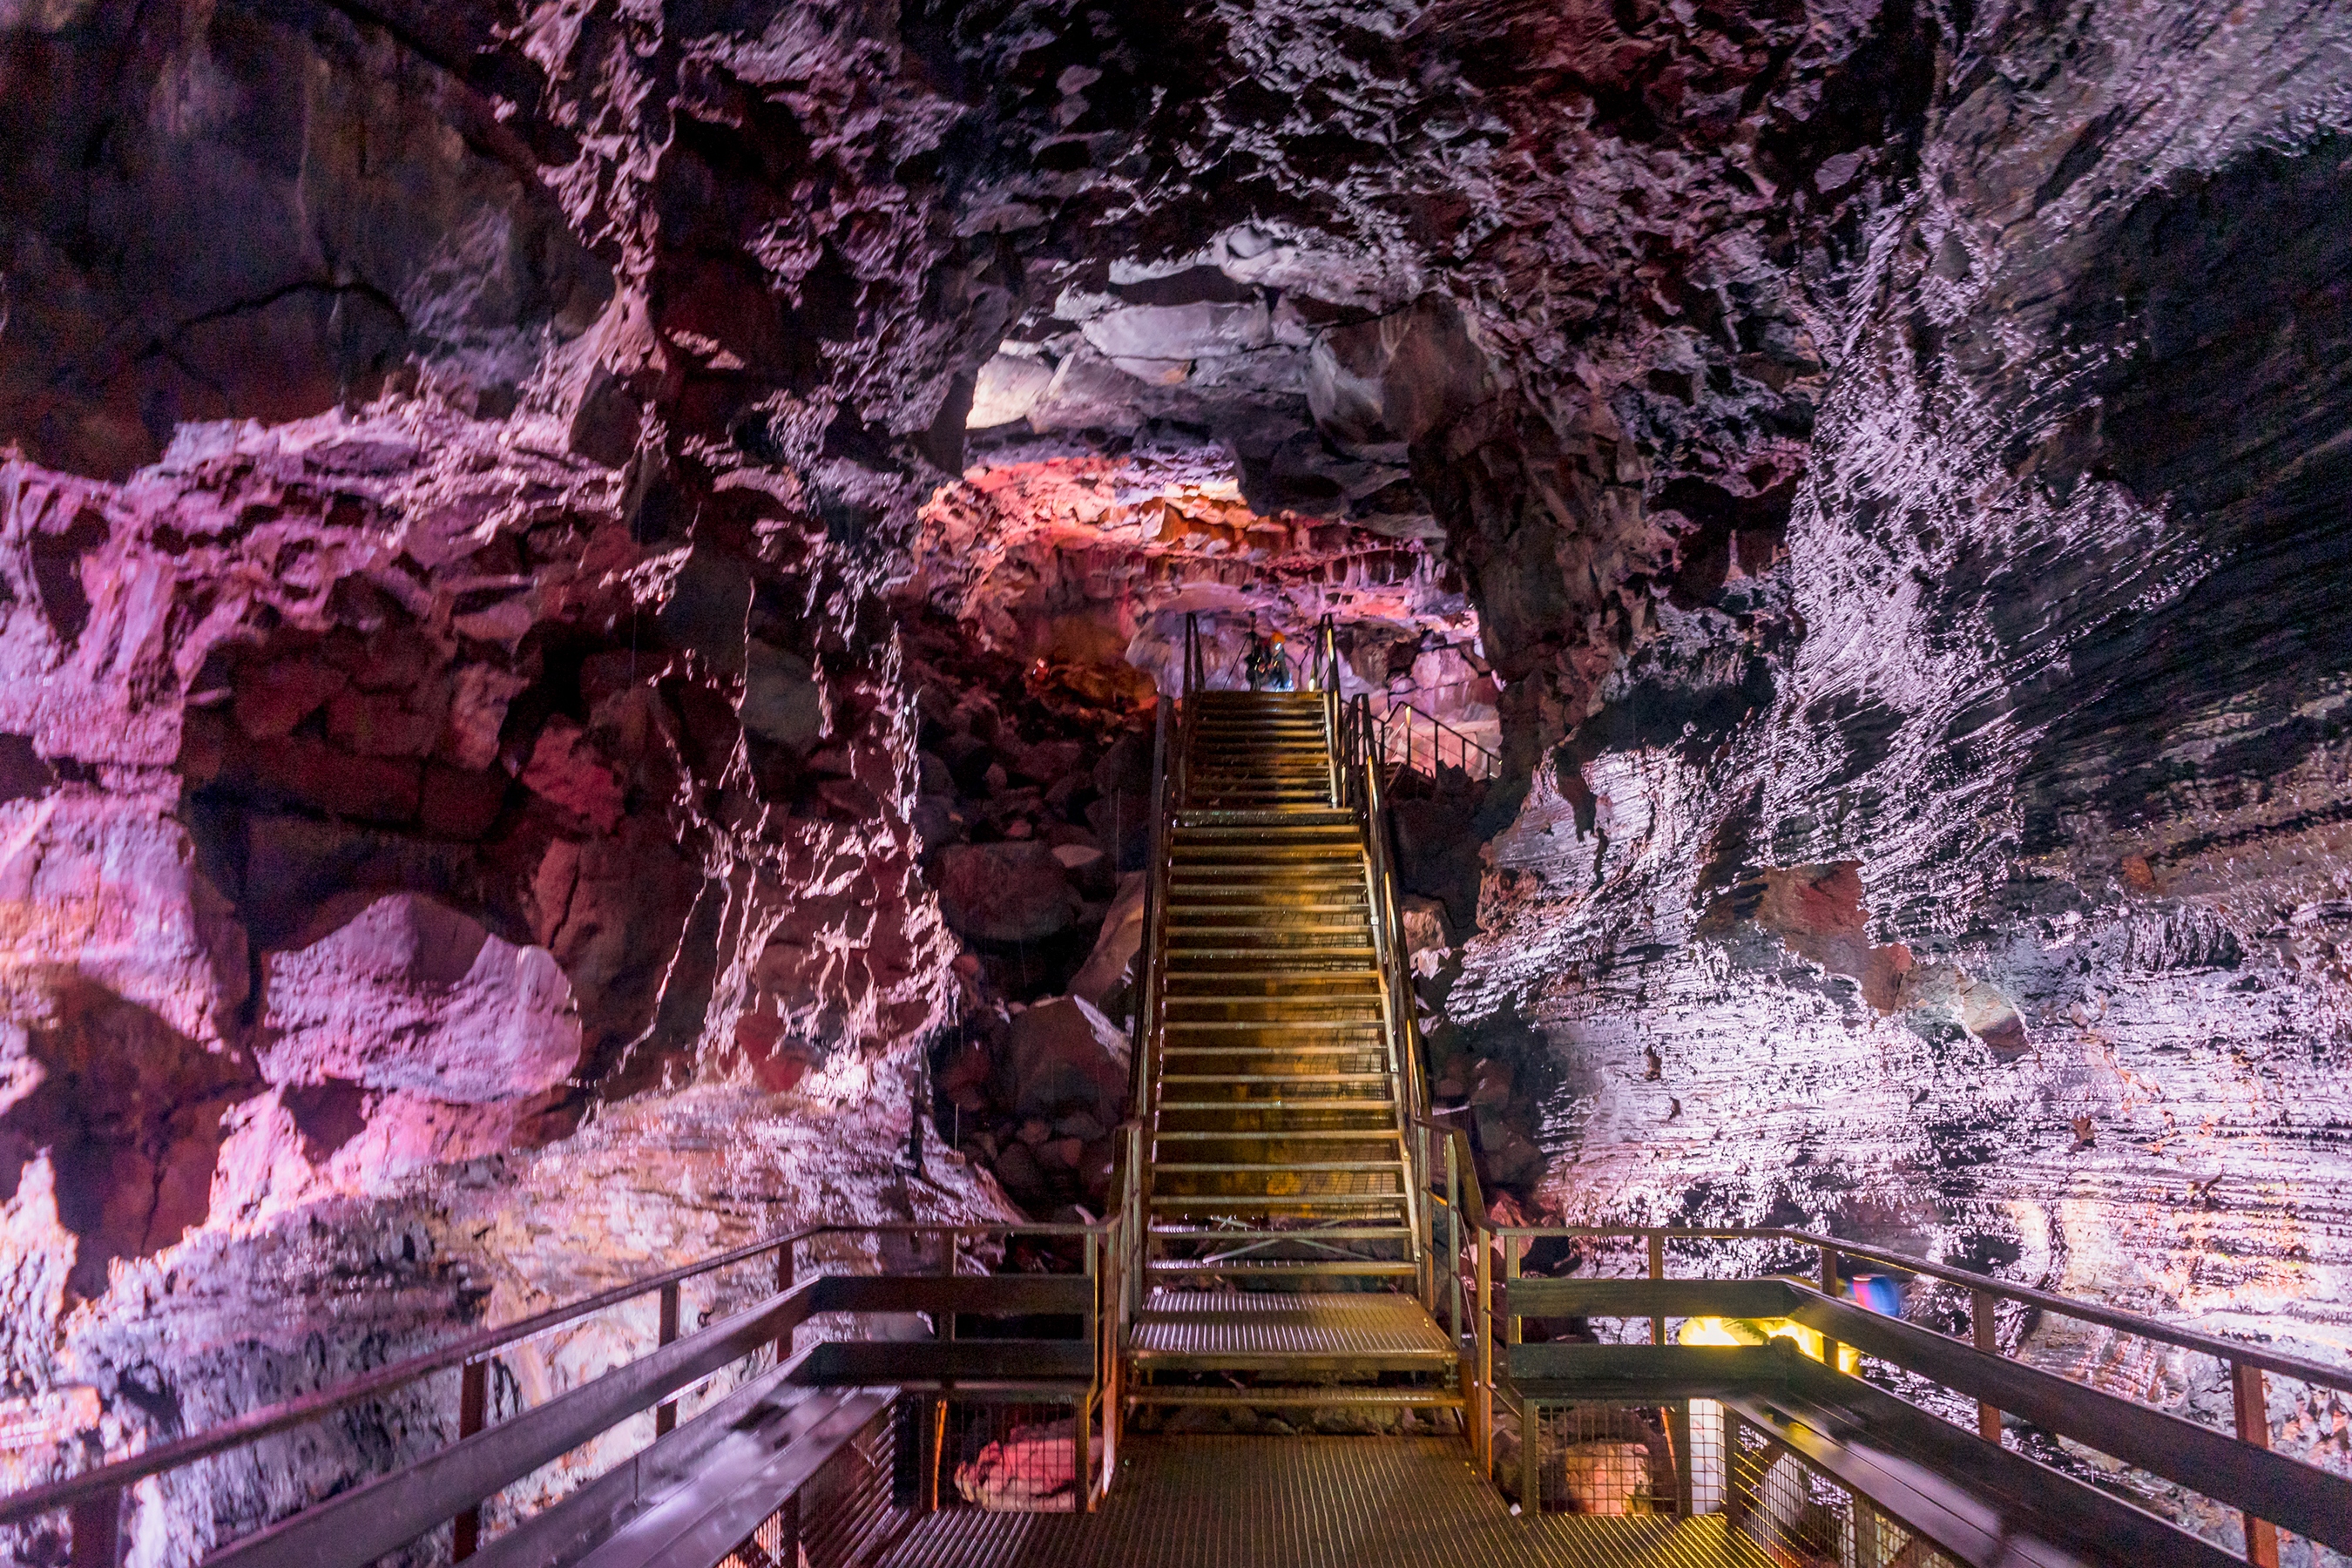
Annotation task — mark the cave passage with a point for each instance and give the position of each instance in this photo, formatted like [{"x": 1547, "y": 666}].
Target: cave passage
[{"x": 1365, "y": 721}]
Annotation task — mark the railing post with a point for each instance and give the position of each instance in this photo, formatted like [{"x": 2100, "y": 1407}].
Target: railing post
[
  {"x": 1982, "y": 1328},
  {"x": 1658, "y": 1271},
  {"x": 1453, "y": 1234},
  {"x": 1514, "y": 1251},
  {"x": 1483, "y": 1357},
  {"x": 473, "y": 1413},
  {"x": 783, "y": 1283},
  {"x": 2251, "y": 1395},
  {"x": 97, "y": 1525},
  {"x": 665, "y": 1413},
  {"x": 1830, "y": 1288},
  {"x": 1083, "y": 1427},
  {"x": 1867, "y": 1547},
  {"x": 1736, "y": 1489},
  {"x": 1678, "y": 1432}
]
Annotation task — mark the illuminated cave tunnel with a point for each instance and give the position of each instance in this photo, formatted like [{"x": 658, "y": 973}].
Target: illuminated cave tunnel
[{"x": 589, "y": 595}]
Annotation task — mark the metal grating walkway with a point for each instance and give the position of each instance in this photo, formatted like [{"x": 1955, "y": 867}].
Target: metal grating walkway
[
  {"x": 1307, "y": 1502},
  {"x": 1226, "y": 1324}
]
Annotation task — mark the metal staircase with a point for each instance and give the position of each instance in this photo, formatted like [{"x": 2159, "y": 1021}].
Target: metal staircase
[{"x": 1279, "y": 1080}]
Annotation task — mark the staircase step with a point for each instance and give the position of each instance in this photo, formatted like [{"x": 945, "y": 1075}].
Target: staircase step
[
  {"x": 1354, "y": 912},
  {"x": 1233, "y": 1025},
  {"x": 1267, "y": 1168},
  {"x": 1367, "y": 1135},
  {"x": 1140, "y": 1396},
  {"x": 1255, "y": 953},
  {"x": 1365, "y": 976},
  {"x": 1288, "y": 1012},
  {"x": 1294, "y": 1200},
  {"x": 1390, "y": 1266},
  {"x": 1270, "y": 1103},
  {"x": 1367, "y": 1048},
  {"x": 1355, "y": 1231},
  {"x": 1274, "y": 1078}
]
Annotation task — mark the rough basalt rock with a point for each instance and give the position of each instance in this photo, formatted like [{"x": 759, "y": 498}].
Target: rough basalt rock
[{"x": 1874, "y": 469}]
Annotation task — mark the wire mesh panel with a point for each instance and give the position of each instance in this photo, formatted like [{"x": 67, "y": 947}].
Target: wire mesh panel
[
  {"x": 775, "y": 1544},
  {"x": 1803, "y": 1519},
  {"x": 1012, "y": 1459},
  {"x": 847, "y": 1505},
  {"x": 1599, "y": 1459},
  {"x": 1785, "y": 1505},
  {"x": 1881, "y": 1542}
]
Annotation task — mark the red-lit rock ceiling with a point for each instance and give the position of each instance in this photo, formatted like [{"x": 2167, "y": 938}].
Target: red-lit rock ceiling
[{"x": 1098, "y": 561}]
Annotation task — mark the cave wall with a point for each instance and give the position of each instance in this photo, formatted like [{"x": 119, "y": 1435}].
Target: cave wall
[
  {"x": 1967, "y": 881},
  {"x": 457, "y": 844},
  {"x": 2052, "y": 756}
]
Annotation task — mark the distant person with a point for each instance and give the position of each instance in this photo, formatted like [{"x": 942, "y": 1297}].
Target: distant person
[{"x": 1267, "y": 665}]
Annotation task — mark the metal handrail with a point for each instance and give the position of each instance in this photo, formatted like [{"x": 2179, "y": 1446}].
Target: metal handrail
[
  {"x": 1148, "y": 973},
  {"x": 2325, "y": 1376},
  {"x": 270, "y": 1420},
  {"x": 2247, "y": 1364},
  {"x": 1488, "y": 763}
]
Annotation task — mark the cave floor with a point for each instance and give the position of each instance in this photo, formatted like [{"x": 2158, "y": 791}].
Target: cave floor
[{"x": 1315, "y": 1502}]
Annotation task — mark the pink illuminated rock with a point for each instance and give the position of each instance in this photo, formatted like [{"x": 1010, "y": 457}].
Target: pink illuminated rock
[
  {"x": 566, "y": 769},
  {"x": 403, "y": 992},
  {"x": 1030, "y": 1470},
  {"x": 1107, "y": 968}
]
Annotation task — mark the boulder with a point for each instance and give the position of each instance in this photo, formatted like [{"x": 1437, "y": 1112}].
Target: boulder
[
  {"x": 1106, "y": 971},
  {"x": 1011, "y": 891},
  {"x": 1089, "y": 866},
  {"x": 1123, "y": 824},
  {"x": 781, "y": 699},
  {"x": 1030, "y": 1470},
  {"x": 1045, "y": 762},
  {"x": 566, "y": 769},
  {"x": 457, "y": 803},
  {"x": 405, "y": 992},
  {"x": 274, "y": 698},
  {"x": 478, "y": 709},
  {"x": 1064, "y": 1056}
]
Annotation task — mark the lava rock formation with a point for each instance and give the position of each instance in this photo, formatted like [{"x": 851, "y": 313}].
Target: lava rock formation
[{"x": 579, "y": 585}]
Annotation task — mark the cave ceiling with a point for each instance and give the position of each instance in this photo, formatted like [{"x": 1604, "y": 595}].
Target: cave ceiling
[{"x": 583, "y": 584}]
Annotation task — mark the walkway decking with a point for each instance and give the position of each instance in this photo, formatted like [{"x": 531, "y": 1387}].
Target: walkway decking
[
  {"x": 1237, "y": 1329},
  {"x": 1307, "y": 1502}
]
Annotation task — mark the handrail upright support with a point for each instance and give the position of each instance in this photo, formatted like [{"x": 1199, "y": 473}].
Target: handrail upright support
[
  {"x": 665, "y": 1413},
  {"x": 1832, "y": 1289},
  {"x": 473, "y": 1413},
  {"x": 2250, "y": 1396},
  {"x": 1981, "y": 1330},
  {"x": 1657, "y": 1239},
  {"x": 1482, "y": 1359},
  {"x": 1453, "y": 1234},
  {"x": 1083, "y": 1434},
  {"x": 97, "y": 1524}
]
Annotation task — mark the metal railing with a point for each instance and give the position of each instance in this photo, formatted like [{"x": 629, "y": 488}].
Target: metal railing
[
  {"x": 450, "y": 1485},
  {"x": 1411, "y": 740},
  {"x": 2236, "y": 1470},
  {"x": 1360, "y": 784},
  {"x": 1316, "y": 669}
]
